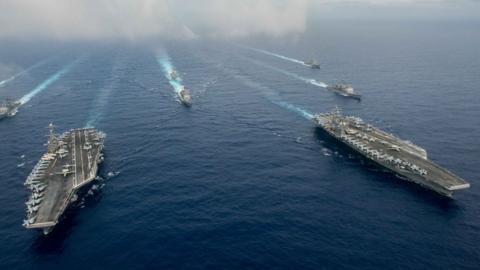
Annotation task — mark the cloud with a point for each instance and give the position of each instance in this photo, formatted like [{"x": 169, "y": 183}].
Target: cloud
[
  {"x": 241, "y": 18},
  {"x": 187, "y": 19},
  {"x": 137, "y": 19},
  {"x": 87, "y": 19}
]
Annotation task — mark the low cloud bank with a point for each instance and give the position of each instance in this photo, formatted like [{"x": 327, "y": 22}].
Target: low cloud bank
[{"x": 137, "y": 19}]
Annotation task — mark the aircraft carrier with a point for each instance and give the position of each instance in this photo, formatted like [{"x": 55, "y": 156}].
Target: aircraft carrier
[
  {"x": 405, "y": 159},
  {"x": 71, "y": 162}
]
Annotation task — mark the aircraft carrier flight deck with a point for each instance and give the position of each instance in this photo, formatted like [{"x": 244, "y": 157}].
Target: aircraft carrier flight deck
[{"x": 70, "y": 163}]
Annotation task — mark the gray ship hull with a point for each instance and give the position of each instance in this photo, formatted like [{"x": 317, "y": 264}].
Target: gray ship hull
[
  {"x": 438, "y": 179},
  {"x": 69, "y": 166},
  {"x": 9, "y": 109},
  {"x": 185, "y": 98},
  {"x": 404, "y": 175},
  {"x": 343, "y": 94}
]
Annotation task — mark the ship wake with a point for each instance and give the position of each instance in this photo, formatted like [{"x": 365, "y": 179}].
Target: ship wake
[
  {"x": 293, "y": 60},
  {"x": 13, "y": 77},
  {"x": 164, "y": 61},
  {"x": 289, "y": 74},
  {"x": 305, "y": 114},
  {"x": 273, "y": 97},
  {"x": 49, "y": 81},
  {"x": 101, "y": 101}
]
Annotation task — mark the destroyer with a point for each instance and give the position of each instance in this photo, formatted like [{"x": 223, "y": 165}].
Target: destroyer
[
  {"x": 312, "y": 63},
  {"x": 402, "y": 157},
  {"x": 9, "y": 108},
  {"x": 185, "y": 97},
  {"x": 71, "y": 163},
  {"x": 345, "y": 90}
]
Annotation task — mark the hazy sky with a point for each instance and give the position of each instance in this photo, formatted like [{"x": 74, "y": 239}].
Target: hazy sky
[{"x": 185, "y": 19}]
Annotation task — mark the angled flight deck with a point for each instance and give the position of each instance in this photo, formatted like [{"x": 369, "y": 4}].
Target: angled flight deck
[
  {"x": 402, "y": 157},
  {"x": 70, "y": 163}
]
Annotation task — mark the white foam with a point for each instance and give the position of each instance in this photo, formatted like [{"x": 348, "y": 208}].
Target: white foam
[
  {"x": 290, "y": 74},
  {"x": 293, "y": 60},
  {"x": 164, "y": 61},
  {"x": 273, "y": 97},
  {"x": 49, "y": 81},
  {"x": 38, "y": 64}
]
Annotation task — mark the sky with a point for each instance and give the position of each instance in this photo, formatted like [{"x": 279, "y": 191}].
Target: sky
[{"x": 192, "y": 19}]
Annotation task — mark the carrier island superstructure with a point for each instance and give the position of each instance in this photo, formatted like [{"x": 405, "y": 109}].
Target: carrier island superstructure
[
  {"x": 71, "y": 163},
  {"x": 405, "y": 159}
]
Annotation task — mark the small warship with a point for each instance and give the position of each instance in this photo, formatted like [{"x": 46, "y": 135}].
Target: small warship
[
  {"x": 312, "y": 63},
  {"x": 9, "y": 108},
  {"x": 345, "y": 90},
  {"x": 185, "y": 97}
]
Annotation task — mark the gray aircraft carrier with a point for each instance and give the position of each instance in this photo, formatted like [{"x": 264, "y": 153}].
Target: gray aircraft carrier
[
  {"x": 71, "y": 162},
  {"x": 402, "y": 157}
]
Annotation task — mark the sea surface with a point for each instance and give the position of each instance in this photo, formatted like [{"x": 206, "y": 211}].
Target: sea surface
[{"x": 243, "y": 179}]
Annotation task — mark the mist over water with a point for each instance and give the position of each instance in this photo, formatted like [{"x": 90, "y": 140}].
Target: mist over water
[{"x": 290, "y": 74}]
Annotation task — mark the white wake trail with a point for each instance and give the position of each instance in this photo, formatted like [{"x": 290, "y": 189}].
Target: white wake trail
[
  {"x": 49, "y": 81},
  {"x": 164, "y": 61},
  {"x": 101, "y": 101},
  {"x": 293, "y": 60},
  {"x": 307, "y": 115},
  {"x": 290, "y": 74},
  {"x": 13, "y": 77},
  {"x": 273, "y": 96}
]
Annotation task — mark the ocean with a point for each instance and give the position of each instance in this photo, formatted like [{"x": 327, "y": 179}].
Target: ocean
[{"x": 243, "y": 179}]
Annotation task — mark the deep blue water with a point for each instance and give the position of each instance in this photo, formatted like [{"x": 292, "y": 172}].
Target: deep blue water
[{"x": 243, "y": 180}]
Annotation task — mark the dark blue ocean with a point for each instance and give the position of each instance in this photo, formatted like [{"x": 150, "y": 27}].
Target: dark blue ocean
[{"x": 242, "y": 179}]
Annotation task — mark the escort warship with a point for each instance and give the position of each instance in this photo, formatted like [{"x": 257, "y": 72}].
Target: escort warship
[
  {"x": 345, "y": 90},
  {"x": 312, "y": 63},
  {"x": 9, "y": 108},
  {"x": 185, "y": 97}
]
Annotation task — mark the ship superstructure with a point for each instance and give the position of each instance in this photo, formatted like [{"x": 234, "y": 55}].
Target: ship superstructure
[
  {"x": 185, "y": 97},
  {"x": 173, "y": 75},
  {"x": 345, "y": 90},
  {"x": 312, "y": 63},
  {"x": 402, "y": 157},
  {"x": 70, "y": 163},
  {"x": 9, "y": 108}
]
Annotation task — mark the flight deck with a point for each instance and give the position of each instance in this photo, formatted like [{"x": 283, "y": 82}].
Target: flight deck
[
  {"x": 70, "y": 163},
  {"x": 402, "y": 157}
]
